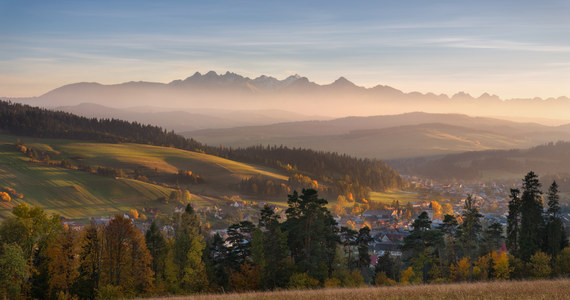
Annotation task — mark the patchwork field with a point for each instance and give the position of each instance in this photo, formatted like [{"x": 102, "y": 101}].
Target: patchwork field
[{"x": 77, "y": 194}]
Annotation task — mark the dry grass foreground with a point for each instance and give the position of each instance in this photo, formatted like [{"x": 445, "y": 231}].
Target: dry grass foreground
[{"x": 539, "y": 289}]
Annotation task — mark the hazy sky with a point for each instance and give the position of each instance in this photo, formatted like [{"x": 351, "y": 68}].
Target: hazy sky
[{"x": 509, "y": 48}]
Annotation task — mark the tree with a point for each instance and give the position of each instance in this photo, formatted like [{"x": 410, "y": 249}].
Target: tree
[
  {"x": 555, "y": 239},
  {"x": 363, "y": 242},
  {"x": 437, "y": 210},
  {"x": 239, "y": 241},
  {"x": 62, "y": 262},
  {"x": 539, "y": 265},
  {"x": 532, "y": 224},
  {"x": 188, "y": 248},
  {"x": 388, "y": 266},
  {"x": 501, "y": 267},
  {"x": 312, "y": 234},
  {"x": 89, "y": 270},
  {"x": 513, "y": 222},
  {"x": 126, "y": 261},
  {"x": 470, "y": 229},
  {"x": 12, "y": 271},
  {"x": 348, "y": 239},
  {"x": 492, "y": 238},
  {"x": 422, "y": 247},
  {"x": 449, "y": 229},
  {"x": 158, "y": 249}
]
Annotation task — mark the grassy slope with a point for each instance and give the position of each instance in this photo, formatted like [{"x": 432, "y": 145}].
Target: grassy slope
[
  {"x": 389, "y": 196},
  {"x": 77, "y": 194},
  {"x": 72, "y": 194},
  {"x": 541, "y": 289}
]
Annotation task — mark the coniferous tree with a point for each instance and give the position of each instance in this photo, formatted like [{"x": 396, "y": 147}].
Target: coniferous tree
[
  {"x": 471, "y": 228},
  {"x": 158, "y": 249},
  {"x": 514, "y": 222},
  {"x": 449, "y": 229},
  {"x": 422, "y": 247},
  {"x": 555, "y": 239},
  {"x": 532, "y": 223},
  {"x": 363, "y": 241},
  {"x": 312, "y": 234}
]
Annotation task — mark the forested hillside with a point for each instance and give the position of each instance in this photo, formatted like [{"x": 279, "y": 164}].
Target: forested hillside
[
  {"x": 338, "y": 174},
  {"x": 551, "y": 159}
]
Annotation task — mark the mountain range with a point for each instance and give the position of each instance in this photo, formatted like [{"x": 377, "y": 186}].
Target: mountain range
[{"x": 298, "y": 94}]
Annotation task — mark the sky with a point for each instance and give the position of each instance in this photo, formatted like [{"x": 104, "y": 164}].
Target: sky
[{"x": 509, "y": 48}]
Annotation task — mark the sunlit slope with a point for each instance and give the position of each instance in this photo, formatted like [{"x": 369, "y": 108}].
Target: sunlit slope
[
  {"x": 77, "y": 194},
  {"x": 71, "y": 193},
  {"x": 164, "y": 159}
]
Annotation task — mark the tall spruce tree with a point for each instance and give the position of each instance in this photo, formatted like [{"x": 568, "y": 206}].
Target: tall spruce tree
[
  {"x": 555, "y": 239},
  {"x": 471, "y": 229},
  {"x": 514, "y": 222},
  {"x": 158, "y": 249},
  {"x": 532, "y": 223}
]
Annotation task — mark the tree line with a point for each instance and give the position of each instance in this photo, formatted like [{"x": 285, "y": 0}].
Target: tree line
[{"x": 40, "y": 258}]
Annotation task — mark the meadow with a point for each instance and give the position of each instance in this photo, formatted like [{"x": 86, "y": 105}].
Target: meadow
[
  {"x": 78, "y": 195},
  {"x": 539, "y": 289},
  {"x": 388, "y": 197}
]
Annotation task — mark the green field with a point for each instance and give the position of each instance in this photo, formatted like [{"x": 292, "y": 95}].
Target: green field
[
  {"x": 71, "y": 193},
  {"x": 77, "y": 194},
  {"x": 388, "y": 197}
]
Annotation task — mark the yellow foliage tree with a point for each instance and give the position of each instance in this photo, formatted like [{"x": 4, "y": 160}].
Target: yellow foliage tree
[
  {"x": 460, "y": 270},
  {"x": 501, "y": 266},
  {"x": 436, "y": 207},
  {"x": 407, "y": 276},
  {"x": 5, "y": 197},
  {"x": 447, "y": 209},
  {"x": 134, "y": 213},
  {"x": 62, "y": 267}
]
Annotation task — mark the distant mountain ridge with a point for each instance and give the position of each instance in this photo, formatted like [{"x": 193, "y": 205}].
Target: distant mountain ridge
[
  {"x": 393, "y": 136},
  {"x": 294, "y": 93}
]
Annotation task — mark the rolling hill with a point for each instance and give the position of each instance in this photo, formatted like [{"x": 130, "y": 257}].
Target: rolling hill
[
  {"x": 551, "y": 160},
  {"x": 393, "y": 136},
  {"x": 78, "y": 194}
]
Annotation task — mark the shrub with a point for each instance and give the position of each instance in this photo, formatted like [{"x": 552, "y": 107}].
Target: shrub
[
  {"x": 539, "y": 265},
  {"x": 302, "y": 281}
]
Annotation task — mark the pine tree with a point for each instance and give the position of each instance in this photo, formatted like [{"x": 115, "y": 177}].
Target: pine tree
[
  {"x": 312, "y": 234},
  {"x": 471, "y": 228},
  {"x": 532, "y": 223},
  {"x": 363, "y": 242},
  {"x": 555, "y": 239},
  {"x": 514, "y": 222},
  {"x": 158, "y": 249}
]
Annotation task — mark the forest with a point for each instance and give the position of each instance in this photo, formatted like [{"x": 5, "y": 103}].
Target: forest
[{"x": 305, "y": 249}]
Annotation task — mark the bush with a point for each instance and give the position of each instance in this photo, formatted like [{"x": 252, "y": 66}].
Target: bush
[
  {"x": 562, "y": 266},
  {"x": 332, "y": 282},
  {"x": 109, "y": 292},
  {"x": 382, "y": 279},
  {"x": 539, "y": 265},
  {"x": 302, "y": 281}
]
